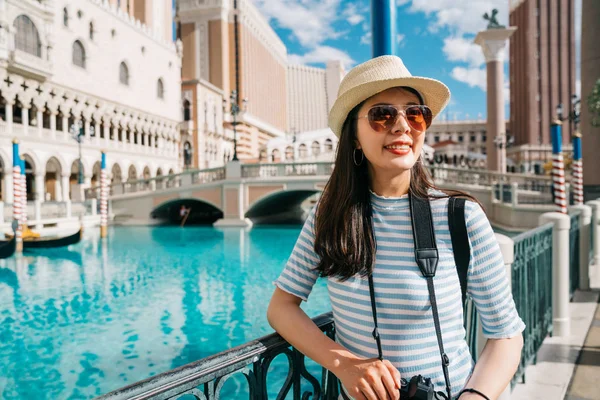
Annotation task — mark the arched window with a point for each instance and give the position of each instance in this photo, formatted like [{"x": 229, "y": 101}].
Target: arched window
[
  {"x": 78, "y": 54},
  {"x": 27, "y": 38},
  {"x": 160, "y": 89},
  {"x": 91, "y": 31},
  {"x": 65, "y": 17},
  {"x": 124, "y": 74},
  {"x": 187, "y": 110},
  {"x": 328, "y": 145}
]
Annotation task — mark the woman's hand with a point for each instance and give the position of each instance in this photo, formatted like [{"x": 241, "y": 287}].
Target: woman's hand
[{"x": 370, "y": 379}]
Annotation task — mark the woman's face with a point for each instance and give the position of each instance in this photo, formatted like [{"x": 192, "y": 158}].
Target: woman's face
[{"x": 397, "y": 149}]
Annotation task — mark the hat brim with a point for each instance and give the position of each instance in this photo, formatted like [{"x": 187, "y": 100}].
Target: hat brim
[{"x": 435, "y": 95}]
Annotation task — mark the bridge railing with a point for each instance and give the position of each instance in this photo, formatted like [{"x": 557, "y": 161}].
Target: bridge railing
[
  {"x": 507, "y": 188},
  {"x": 190, "y": 177},
  {"x": 532, "y": 290},
  {"x": 287, "y": 169},
  {"x": 249, "y": 363}
]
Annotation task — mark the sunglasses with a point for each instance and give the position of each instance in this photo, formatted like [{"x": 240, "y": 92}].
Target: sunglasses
[{"x": 383, "y": 117}]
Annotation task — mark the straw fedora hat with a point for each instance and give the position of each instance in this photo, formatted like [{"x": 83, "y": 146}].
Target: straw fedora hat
[{"x": 376, "y": 75}]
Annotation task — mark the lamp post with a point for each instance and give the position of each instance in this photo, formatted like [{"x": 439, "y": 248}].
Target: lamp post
[{"x": 78, "y": 133}]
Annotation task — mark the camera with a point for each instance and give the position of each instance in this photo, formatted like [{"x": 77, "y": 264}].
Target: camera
[{"x": 418, "y": 388}]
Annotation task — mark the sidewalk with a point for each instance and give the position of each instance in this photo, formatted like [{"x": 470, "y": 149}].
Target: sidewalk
[{"x": 566, "y": 368}]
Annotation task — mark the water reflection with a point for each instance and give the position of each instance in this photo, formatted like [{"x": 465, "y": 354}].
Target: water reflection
[{"x": 80, "y": 322}]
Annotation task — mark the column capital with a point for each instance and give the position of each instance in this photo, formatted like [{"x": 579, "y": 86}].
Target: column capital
[{"x": 493, "y": 41}]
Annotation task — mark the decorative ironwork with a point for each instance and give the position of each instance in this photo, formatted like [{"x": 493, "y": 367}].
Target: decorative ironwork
[
  {"x": 205, "y": 379},
  {"x": 532, "y": 290},
  {"x": 574, "y": 237}
]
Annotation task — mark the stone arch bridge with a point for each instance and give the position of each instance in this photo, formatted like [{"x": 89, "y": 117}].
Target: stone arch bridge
[{"x": 240, "y": 195}]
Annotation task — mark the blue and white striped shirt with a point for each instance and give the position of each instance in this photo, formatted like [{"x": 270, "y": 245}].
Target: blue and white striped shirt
[{"x": 404, "y": 314}]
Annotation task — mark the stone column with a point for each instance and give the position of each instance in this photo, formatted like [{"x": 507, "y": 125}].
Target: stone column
[
  {"x": 53, "y": 115},
  {"x": 25, "y": 119},
  {"x": 65, "y": 127},
  {"x": 493, "y": 42},
  {"x": 40, "y": 122},
  {"x": 590, "y": 73},
  {"x": 65, "y": 187},
  {"x": 40, "y": 192}
]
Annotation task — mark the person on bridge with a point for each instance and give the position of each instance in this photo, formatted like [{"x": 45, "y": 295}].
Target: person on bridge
[{"x": 360, "y": 238}]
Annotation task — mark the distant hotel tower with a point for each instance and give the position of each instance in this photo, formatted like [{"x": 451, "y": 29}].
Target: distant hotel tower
[{"x": 542, "y": 74}]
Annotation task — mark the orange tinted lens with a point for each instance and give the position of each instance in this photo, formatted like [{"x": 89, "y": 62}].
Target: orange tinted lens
[
  {"x": 382, "y": 118},
  {"x": 419, "y": 117}
]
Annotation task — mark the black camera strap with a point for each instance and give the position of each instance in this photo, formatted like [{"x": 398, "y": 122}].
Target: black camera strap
[{"x": 426, "y": 256}]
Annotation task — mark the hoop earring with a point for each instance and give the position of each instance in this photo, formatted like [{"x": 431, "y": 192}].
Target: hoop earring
[{"x": 358, "y": 164}]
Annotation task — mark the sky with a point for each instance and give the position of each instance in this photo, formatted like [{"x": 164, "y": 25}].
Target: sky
[{"x": 434, "y": 39}]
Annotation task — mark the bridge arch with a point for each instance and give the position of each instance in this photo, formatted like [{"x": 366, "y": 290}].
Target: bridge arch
[
  {"x": 280, "y": 206},
  {"x": 201, "y": 212}
]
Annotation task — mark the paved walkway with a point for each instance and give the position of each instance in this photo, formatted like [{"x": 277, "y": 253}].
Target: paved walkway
[
  {"x": 568, "y": 368},
  {"x": 586, "y": 379}
]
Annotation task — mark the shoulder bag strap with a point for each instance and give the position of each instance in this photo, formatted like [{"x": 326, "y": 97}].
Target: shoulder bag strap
[
  {"x": 426, "y": 255},
  {"x": 460, "y": 241}
]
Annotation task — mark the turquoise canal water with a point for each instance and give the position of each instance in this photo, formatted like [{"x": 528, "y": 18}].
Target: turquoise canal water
[{"x": 81, "y": 322}]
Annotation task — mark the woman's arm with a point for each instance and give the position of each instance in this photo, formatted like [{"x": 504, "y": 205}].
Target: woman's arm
[
  {"x": 363, "y": 378},
  {"x": 495, "y": 368}
]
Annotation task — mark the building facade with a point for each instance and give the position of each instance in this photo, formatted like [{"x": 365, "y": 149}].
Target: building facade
[
  {"x": 86, "y": 63},
  {"x": 542, "y": 72},
  {"x": 311, "y": 93},
  {"x": 207, "y": 31}
]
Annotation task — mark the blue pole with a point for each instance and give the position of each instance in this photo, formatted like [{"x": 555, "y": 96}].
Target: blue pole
[
  {"x": 576, "y": 147},
  {"x": 103, "y": 162},
  {"x": 16, "y": 154},
  {"x": 556, "y": 136},
  {"x": 383, "y": 26}
]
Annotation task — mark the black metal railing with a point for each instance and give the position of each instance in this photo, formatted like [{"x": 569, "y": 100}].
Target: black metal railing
[
  {"x": 532, "y": 290},
  {"x": 574, "y": 237},
  {"x": 206, "y": 378}
]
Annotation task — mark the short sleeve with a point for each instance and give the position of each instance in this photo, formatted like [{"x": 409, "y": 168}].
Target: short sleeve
[
  {"x": 487, "y": 282},
  {"x": 300, "y": 273}
]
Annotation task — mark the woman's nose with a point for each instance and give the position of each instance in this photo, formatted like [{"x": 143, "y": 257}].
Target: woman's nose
[{"x": 401, "y": 126}]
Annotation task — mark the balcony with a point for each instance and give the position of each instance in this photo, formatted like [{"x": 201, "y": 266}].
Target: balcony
[{"x": 29, "y": 65}]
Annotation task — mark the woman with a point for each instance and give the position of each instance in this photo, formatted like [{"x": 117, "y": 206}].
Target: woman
[{"x": 362, "y": 226}]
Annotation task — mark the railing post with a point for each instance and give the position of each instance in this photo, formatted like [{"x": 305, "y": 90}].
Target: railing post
[
  {"x": 560, "y": 271},
  {"x": 595, "y": 226},
  {"x": 585, "y": 219},
  {"x": 514, "y": 189},
  {"x": 507, "y": 248}
]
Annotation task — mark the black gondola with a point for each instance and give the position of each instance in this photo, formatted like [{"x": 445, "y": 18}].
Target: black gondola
[
  {"x": 7, "y": 248},
  {"x": 48, "y": 242}
]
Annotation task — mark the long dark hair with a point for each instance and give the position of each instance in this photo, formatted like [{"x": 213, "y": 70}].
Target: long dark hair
[{"x": 344, "y": 235}]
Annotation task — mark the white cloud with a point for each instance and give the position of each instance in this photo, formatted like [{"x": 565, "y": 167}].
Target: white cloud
[
  {"x": 311, "y": 21},
  {"x": 463, "y": 50},
  {"x": 474, "y": 77},
  {"x": 322, "y": 54},
  {"x": 460, "y": 16},
  {"x": 400, "y": 40},
  {"x": 366, "y": 38},
  {"x": 353, "y": 15},
  {"x": 463, "y": 19}
]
